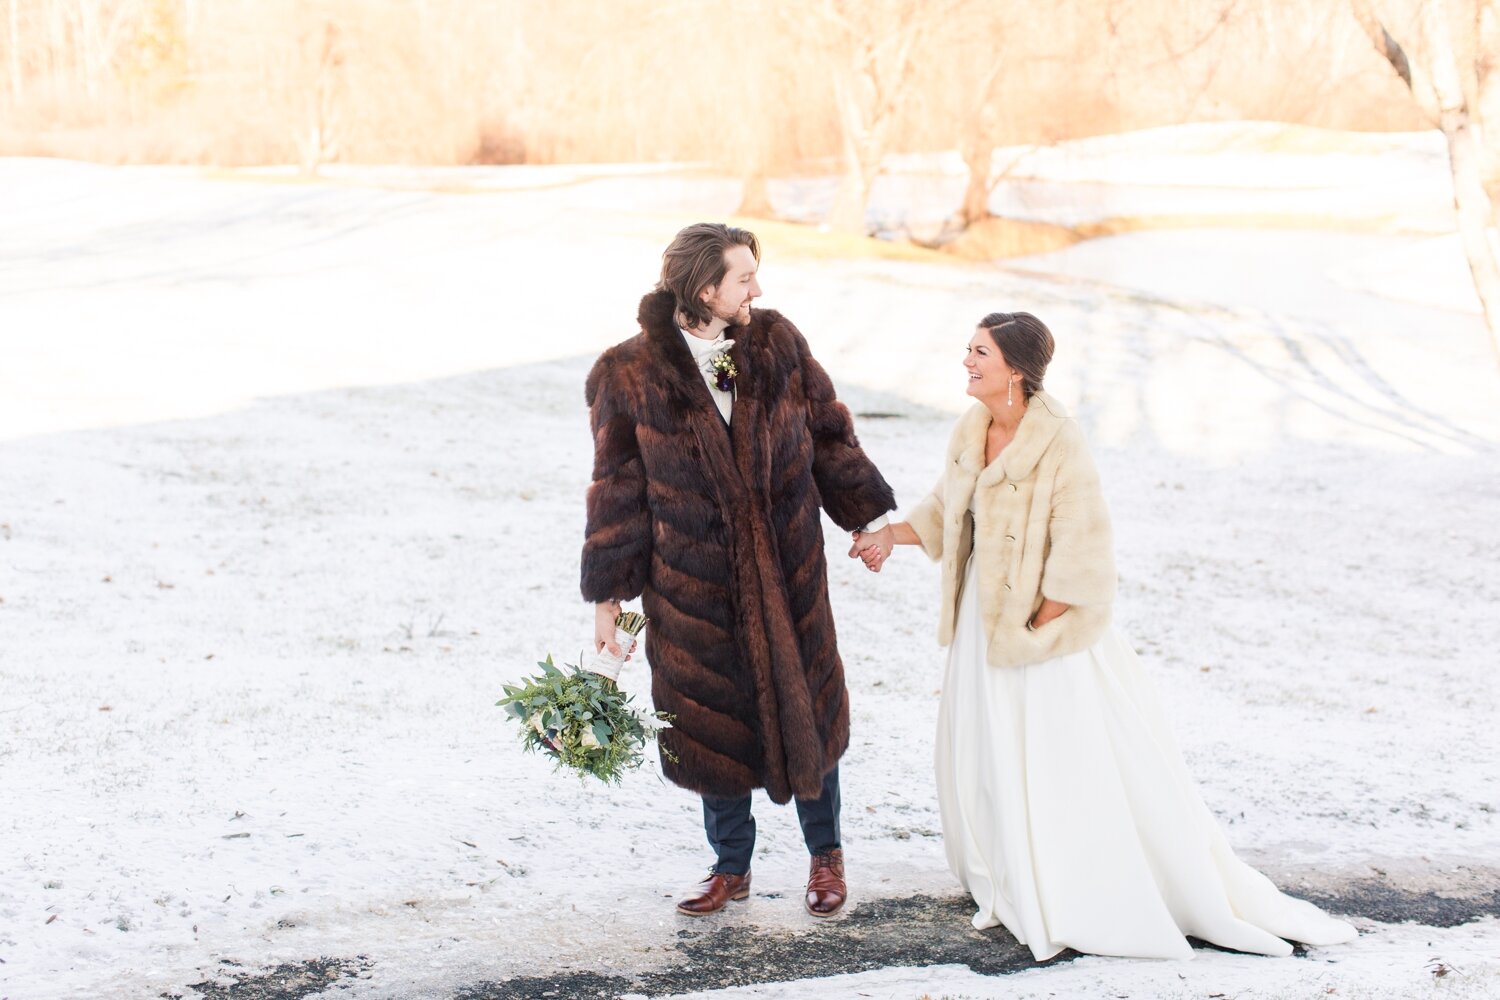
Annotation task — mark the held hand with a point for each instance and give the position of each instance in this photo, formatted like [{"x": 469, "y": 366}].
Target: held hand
[
  {"x": 865, "y": 551},
  {"x": 874, "y": 547}
]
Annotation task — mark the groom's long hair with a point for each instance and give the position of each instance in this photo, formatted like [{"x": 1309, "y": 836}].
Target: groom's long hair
[{"x": 695, "y": 261}]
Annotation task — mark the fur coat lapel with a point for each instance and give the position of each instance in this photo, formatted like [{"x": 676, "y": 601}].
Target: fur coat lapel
[
  {"x": 1044, "y": 417},
  {"x": 691, "y": 394},
  {"x": 762, "y": 372},
  {"x": 732, "y": 457},
  {"x": 673, "y": 359}
]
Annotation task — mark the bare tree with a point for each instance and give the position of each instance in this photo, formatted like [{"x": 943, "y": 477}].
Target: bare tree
[
  {"x": 871, "y": 46},
  {"x": 1420, "y": 49},
  {"x": 749, "y": 54},
  {"x": 977, "y": 144},
  {"x": 100, "y": 29},
  {"x": 320, "y": 143},
  {"x": 1486, "y": 85},
  {"x": 13, "y": 54},
  {"x": 986, "y": 64}
]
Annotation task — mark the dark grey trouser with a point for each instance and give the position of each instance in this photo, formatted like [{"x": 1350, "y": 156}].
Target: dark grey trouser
[{"x": 731, "y": 828}]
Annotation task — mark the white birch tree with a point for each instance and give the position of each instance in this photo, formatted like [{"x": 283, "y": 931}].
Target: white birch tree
[{"x": 1417, "y": 39}]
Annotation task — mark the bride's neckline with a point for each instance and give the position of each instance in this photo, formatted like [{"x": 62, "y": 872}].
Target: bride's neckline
[{"x": 1010, "y": 439}]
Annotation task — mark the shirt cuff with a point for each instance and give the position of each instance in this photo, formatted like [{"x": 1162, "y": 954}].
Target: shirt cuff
[{"x": 877, "y": 524}]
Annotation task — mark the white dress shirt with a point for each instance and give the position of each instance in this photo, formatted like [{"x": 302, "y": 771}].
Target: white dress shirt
[{"x": 703, "y": 352}]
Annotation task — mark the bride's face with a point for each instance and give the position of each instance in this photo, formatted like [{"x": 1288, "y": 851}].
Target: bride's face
[{"x": 988, "y": 373}]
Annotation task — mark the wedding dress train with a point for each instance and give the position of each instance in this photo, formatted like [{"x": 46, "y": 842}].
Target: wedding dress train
[{"x": 1070, "y": 817}]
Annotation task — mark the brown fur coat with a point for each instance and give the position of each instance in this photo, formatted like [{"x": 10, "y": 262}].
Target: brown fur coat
[{"x": 717, "y": 529}]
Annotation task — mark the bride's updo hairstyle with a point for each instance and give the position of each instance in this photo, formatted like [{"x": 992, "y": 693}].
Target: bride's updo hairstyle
[{"x": 1025, "y": 343}]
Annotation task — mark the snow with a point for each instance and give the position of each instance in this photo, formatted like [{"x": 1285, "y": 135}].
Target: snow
[{"x": 291, "y": 481}]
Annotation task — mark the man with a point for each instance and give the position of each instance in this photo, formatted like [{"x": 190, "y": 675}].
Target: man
[{"x": 716, "y": 438}]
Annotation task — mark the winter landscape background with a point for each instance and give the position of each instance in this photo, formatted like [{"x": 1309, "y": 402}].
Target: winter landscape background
[{"x": 291, "y": 480}]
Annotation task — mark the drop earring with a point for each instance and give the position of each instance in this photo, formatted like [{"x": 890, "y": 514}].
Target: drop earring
[{"x": 1009, "y": 389}]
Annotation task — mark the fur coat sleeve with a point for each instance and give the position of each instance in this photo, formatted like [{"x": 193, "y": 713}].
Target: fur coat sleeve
[
  {"x": 617, "y": 537},
  {"x": 926, "y": 519},
  {"x": 852, "y": 490}
]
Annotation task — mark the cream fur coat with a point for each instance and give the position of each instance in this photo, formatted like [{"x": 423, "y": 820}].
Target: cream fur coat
[{"x": 1039, "y": 529}]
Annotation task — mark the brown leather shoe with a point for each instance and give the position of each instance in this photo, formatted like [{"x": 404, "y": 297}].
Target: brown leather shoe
[
  {"x": 713, "y": 892},
  {"x": 825, "y": 883}
]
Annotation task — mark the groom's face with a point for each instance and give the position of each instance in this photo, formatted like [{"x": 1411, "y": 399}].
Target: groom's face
[{"x": 730, "y": 299}]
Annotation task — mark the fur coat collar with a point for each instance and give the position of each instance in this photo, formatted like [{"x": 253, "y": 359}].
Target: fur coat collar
[
  {"x": 1043, "y": 419},
  {"x": 763, "y": 370}
]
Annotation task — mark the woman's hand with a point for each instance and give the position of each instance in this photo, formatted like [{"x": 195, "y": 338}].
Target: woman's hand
[{"x": 1049, "y": 610}]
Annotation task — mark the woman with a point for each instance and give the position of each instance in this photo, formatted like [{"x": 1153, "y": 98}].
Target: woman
[{"x": 1067, "y": 811}]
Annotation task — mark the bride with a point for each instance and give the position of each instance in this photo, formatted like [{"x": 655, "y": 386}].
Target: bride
[{"x": 1068, "y": 813}]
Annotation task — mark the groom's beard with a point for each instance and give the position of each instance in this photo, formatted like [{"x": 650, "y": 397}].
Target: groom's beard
[{"x": 734, "y": 320}]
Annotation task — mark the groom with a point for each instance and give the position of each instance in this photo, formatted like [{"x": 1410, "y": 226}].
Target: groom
[{"x": 717, "y": 438}]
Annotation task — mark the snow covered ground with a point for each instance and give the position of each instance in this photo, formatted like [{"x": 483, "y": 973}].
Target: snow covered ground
[{"x": 291, "y": 480}]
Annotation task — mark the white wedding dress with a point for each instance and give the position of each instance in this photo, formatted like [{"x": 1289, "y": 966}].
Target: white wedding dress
[{"x": 1070, "y": 817}]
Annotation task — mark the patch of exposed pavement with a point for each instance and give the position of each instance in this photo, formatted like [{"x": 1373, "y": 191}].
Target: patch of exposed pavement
[
  {"x": 290, "y": 981},
  {"x": 913, "y": 931}
]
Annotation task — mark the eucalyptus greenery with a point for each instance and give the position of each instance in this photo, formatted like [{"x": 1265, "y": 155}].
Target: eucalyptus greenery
[{"x": 582, "y": 720}]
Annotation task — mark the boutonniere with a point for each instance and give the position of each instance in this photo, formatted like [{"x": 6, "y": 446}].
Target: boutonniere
[{"x": 724, "y": 371}]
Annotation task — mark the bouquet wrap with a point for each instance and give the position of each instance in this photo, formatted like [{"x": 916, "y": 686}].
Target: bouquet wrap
[{"x": 628, "y": 625}]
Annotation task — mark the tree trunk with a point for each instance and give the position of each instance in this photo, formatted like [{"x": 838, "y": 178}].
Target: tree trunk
[
  {"x": 90, "y": 45},
  {"x": 1465, "y": 162},
  {"x": 322, "y": 142},
  {"x": 850, "y": 202},
  {"x": 867, "y": 91},
  {"x": 1485, "y": 114},
  {"x": 755, "y": 201},
  {"x": 1474, "y": 218},
  {"x": 1439, "y": 92},
  {"x": 979, "y": 158},
  {"x": 852, "y": 198},
  {"x": 754, "y": 160},
  {"x": 14, "y": 51},
  {"x": 57, "y": 41}
]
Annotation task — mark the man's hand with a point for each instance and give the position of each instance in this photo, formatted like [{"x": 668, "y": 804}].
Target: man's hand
[
  {"x": 873, "y": 547},
  {"x": 605, "y": 613}
]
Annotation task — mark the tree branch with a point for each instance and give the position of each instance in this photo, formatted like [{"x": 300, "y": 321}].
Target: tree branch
[{"x": 1388, "y": 46}]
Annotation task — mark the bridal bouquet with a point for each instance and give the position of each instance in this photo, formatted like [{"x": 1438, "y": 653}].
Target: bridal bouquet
[{"x": 579, "y": 717}]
